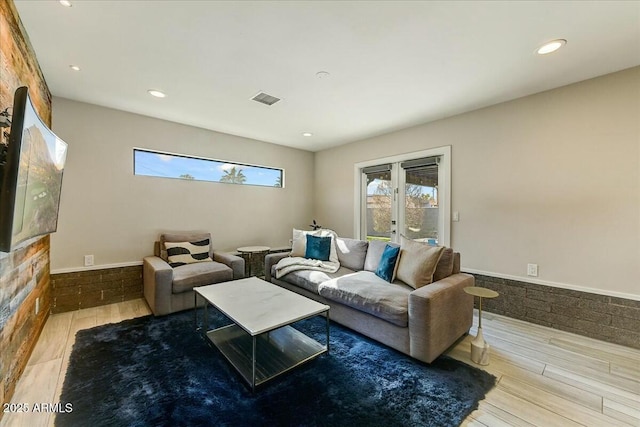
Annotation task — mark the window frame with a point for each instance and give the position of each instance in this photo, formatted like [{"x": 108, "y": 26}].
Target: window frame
[
  {"x": 444, "y": 189},
  {"x": 209, "y": 159}
]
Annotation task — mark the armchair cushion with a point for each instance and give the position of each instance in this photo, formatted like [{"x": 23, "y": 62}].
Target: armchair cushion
[{"x": 188, "y": 276}]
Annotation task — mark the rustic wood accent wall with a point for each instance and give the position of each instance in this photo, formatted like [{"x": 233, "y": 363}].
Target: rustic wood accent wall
[
  {"x": 24, "y": 273},
  {"x": 91, "y": 288}
]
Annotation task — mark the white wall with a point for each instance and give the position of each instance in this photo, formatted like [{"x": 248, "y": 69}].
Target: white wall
[
  {"x": 551, "y": 179},
  {"x": 116, "y": 216}
]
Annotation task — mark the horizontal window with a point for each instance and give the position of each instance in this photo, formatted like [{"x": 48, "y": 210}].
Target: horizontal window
[{"x": 179, "y": 166}]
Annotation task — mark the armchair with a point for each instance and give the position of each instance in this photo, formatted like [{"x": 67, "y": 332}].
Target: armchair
[{"x": 169, "y": 289}]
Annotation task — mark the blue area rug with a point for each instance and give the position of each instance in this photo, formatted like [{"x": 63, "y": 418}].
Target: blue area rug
[{"x": 160, "y": 372}]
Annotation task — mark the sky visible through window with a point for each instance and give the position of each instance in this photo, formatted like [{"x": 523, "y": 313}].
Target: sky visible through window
[{"x": 164, "y": 165}]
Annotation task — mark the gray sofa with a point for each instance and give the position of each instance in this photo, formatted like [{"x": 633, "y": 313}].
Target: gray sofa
[
  {"x": 169, "y": 289},
  {"x": 421, "y": 323}
]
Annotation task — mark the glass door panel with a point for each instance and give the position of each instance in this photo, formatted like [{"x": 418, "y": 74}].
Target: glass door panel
[
  {"x": 420, "y": 211},
  {"x": 379, "y": 218}
]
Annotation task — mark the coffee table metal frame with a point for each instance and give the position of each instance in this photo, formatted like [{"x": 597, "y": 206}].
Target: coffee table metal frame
[{"x": 262, "y": 354}]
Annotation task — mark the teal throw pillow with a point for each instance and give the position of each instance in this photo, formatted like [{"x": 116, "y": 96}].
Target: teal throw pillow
[
  {"x": 388, "y": 261},
  {"x": 318, "y": 247}
]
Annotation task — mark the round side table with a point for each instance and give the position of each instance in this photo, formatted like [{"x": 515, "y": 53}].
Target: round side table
[
  {"x": 479, "y": 347},
  {"x": 249, "y": 253}
]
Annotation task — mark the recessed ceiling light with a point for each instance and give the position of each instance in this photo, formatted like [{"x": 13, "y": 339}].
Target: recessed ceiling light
[
  {"x": 66, "y": 3},
  {"x": 307, "y": 134},
  {"x": 551, "y": 46},
  {"x": 74, "y": 67},
  {"x": 156, "y": 93}
]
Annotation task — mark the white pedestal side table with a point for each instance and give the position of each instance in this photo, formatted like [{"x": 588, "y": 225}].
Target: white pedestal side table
[{"x": 479, "y": 347}]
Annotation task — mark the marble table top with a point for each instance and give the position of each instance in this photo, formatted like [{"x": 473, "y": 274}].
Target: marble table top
[{"x": 258, "y": 306}]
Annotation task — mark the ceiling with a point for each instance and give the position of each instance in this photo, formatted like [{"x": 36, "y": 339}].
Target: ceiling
[{"x": 391, "y": 64}]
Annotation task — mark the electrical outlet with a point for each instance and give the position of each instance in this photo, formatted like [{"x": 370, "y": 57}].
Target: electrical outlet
[
  {"x": 37, "y": 305},
  {"x": 88, "y": 260},
  {"x": 532, "y": 270}
]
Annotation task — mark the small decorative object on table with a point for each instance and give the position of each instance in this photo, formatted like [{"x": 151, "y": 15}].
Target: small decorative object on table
[{"x": 479, "y": 347}]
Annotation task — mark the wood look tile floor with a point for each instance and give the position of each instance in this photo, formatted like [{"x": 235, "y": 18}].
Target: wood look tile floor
[{"x": 545, "y": 377}]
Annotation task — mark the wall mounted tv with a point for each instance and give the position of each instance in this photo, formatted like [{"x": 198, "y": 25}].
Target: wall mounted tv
[{"x": 31, "y": 176}]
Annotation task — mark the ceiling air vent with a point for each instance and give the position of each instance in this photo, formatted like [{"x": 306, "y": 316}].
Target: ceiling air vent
[{"x": 266, "y": 99}]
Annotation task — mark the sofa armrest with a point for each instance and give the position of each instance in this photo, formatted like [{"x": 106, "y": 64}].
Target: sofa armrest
[
  {"x": 270, "y": 260},
  {"x": 234, "y": 262},
  {"x": 439, "y": 314},
  {"x": 157, "y": 277}
]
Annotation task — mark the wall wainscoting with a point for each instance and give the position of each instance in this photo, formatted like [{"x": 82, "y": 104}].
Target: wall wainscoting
[
  {"x": 607, "y": 318},
  {"x": 91, "y": 288}
]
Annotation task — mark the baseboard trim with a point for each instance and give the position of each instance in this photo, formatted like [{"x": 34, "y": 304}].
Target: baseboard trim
[
  {"x": 554, "y": 284},
  {"x": 96, "y": 267}
]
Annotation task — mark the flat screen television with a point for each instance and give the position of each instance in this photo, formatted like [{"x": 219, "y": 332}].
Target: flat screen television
[{"x": 31, "y": 176}]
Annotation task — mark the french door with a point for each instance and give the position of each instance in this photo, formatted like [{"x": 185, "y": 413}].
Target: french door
[
  {"x": 380, "y": 213},
  {"x": 419, "y": 208},
  {"x": 405, "y": 197}
]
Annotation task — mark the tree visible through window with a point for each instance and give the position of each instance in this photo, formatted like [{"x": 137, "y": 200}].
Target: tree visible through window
[{"x": 177, "y": 166}]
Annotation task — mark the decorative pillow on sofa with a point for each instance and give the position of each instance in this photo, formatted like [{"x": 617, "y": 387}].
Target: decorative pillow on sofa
[
  {"x": 318, "y": 247},
  {"x": 181, "y": 253},
  {"x": 387, "y": 266},
  {"x": 351, "y": 253},
  {"x": 445, "y": 265},
  {"x": 417, "y": 262},
  {"x": 374, "y": 254},
  {"x": 299, "y": 244}
]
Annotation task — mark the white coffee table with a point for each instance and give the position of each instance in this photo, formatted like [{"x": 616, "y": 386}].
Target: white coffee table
[{"x": 261, "y": 343}]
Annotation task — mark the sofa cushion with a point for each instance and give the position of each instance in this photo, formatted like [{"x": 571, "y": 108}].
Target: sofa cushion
[
  {"x": 388, "y": 263},
  {"x": 369, "y": 293},
  {"x": 445, "y": 265},
  {"x": 180, "y": 253},
  {"x": 352, "y": 253},
  {"x": 318, "y": 247},
  {"x": 417, "y": 263},
  {"x": 309, "y": 279},
  {"x": 188, "y": 276},
  {"x": 374, "y": 254}
]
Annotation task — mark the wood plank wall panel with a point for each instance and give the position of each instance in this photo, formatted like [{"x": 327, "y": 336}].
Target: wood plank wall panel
[{"x": 24, "y": 273}]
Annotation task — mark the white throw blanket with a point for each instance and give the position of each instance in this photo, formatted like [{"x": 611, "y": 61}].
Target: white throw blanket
[
  {"x": 297, "y": 261},
  {"x": 289, "y": 264}
]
